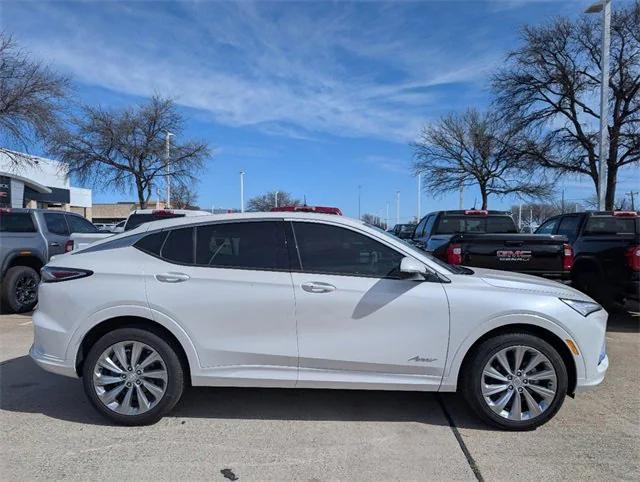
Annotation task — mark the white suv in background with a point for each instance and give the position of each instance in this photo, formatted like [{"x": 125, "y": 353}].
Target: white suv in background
[{"x": 312, "y": 301}]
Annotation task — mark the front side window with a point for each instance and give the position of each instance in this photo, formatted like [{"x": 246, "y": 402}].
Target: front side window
[
  {"x": 419, "y": 232},
  {"x": 569, "y": 226},
  {"x": 56, "y": 223},
  {"x": 548, "y": 227},
  {"x": 334, "y": 250},
  {"x": 80, "y": 225},
  {"x": 247, "y": 245}
]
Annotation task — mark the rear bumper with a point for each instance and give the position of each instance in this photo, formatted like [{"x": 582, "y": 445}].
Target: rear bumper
[{"x": 52, "y": 364}]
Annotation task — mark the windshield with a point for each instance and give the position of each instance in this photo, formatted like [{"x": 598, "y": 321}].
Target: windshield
[{"x": 449, "y": 267}]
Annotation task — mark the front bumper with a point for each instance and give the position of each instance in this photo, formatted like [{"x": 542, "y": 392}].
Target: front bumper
[
  {"x": 587, "y": 384},
  {"x": 52, "y": 364}
]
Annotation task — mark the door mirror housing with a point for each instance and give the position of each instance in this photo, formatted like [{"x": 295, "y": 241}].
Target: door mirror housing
[{"x": 412, "y": 266}]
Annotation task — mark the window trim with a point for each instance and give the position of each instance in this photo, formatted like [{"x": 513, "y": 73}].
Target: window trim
[{"x": 348, "y": 228}]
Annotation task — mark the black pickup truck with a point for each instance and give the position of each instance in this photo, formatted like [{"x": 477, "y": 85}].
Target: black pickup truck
[
  {"x": 606, "y": 246},
  {"x": 490, "y": 239}
]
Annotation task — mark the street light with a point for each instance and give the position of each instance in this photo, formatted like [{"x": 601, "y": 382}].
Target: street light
[
  {"x": 359, "y": 200},
  {"x": 167, "y": 147},
  {"x": 603, "y": 6},
  {"x": 397, "y": 207},
  {"x": 419, "y": 194},
  {"x": 241, "y": 191},
  {"x": 277, "y": 198}
]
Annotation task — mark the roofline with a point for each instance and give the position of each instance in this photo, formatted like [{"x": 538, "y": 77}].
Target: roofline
[{"x": 36, "y": 186}]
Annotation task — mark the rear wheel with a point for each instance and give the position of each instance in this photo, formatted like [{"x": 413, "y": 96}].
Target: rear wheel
[
  {"x": 515, "y": 381},
  {"x": 20, "y": 289},
  {"x": 133, "y": 376}
]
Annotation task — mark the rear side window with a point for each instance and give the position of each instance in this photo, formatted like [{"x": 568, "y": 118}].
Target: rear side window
[
  {"x": 335, "y": 250},
  {"x": 56, "y": 223},
  {"x": 152, "y": 243},
  {"x": 80, "y": 225},
  {"x": 11, "y": 222},
  {"x": 178, "y": 247},
  {"x": 248, "y": 245},
  {"x": 610, "y": 225}
]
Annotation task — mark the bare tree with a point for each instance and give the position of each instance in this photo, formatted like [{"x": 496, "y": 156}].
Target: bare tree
[
  {"x": 184, "y": 196},
  {"x": 475, "y": 149},
  {"x": 373, "y": 220},
  {"x": 266, "y": 201},
  {"x": 31, "y": 99},
  {"x": 124, "y": 149},
  {"x": 550, "y": 86}
]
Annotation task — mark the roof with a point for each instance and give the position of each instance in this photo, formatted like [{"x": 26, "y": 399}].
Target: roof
[{"x": 37, "y": 187}]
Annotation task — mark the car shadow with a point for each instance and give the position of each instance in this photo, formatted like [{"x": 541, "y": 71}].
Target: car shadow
[
  {"x": 26, "y": 388},
  {"x": 625, "y": 319}
]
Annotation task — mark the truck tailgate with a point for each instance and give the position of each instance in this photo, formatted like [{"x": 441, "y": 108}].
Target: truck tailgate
[{"x": 525, "y": 253}]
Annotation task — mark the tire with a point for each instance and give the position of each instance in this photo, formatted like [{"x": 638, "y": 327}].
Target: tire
[
  {"x": 20, "y": 289},
  {"x": 138, "y": 409},
  {"x": 487, "y": 357}
]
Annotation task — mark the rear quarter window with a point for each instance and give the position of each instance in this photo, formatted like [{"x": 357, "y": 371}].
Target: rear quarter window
[
  {"x": 152, "y": 243},
  {"x": 16, "y": 223}
]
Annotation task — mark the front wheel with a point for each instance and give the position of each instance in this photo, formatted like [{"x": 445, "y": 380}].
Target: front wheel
[
  {"x": 133, "y": 376},
  {"x": 515, "y": 381}
]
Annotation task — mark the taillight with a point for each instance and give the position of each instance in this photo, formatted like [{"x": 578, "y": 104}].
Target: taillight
[
  {"x": 633, "y": 257},
  {"x": 68, "y": 246},
  {"x": 567, "y": 257},
  {"x": 53, "y": 274},
  {"x": 454, "y": 254}
]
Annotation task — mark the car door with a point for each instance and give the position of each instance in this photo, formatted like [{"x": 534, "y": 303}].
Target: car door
[
  {"x": 229, "y": 287},
  {"x": 360, "y": 322},
  {"x": 57, "y": 232}
]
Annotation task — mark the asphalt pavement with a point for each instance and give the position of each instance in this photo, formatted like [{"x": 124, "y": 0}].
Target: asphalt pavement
[{"x": 48, "y": 430}]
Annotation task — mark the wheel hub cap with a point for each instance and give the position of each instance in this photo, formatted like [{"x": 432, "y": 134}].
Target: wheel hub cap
[
  {"x": 130, "y": 378},
  {"x": 519, "y": 383}
]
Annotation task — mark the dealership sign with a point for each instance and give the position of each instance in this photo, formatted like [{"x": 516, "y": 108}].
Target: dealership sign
[{"x": 5, "y": 192}]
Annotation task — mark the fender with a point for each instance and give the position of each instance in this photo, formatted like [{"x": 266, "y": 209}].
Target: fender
[
  {"x": 138, "y": 311},
  {"x": 454, "y": 362},
  {"x": 12, "y": 255}
]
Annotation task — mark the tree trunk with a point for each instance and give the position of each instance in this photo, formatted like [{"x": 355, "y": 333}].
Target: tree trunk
[
  {"x": 610, "y": 193},
  {"x": 485, "y": 196},
  {"x": 141, "y": 197}
]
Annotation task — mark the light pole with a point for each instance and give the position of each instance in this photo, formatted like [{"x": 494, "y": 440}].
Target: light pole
[
  {"x": 241, "y": 191},
  {"x": 461, "y": 195},
  {"x": 277, "y": 198},
  {"x": 386, "y": 220},
  {"x": 419, "y": 194},
  {"x": 167, "y": 148},
  {"x": 603, "y": 6},
  {"x": 397, "y": 207},
  {"x": 359, "y": 200}
]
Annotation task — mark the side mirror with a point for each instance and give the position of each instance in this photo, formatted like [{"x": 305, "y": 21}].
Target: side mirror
[{"x": 412, "y": 266}]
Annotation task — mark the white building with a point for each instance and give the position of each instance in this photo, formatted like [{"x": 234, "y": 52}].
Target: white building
[{"x": 36, "y": 182}]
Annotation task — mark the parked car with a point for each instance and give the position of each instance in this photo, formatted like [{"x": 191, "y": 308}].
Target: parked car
[
  {"x": 307, "y": 209},
  {"x": 606, "y": 246},
  {"x": 490, "y": 239},
  {"x": 30, "y": 237},
  {"x": 311, "y": 301},
  {"x": 136, "y": 218},
  {"x": 403, "y": 231}
]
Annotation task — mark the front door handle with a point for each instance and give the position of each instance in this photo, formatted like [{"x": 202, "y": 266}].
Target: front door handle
[
  {"x": 54, "y": 244},
  {"x": 318, "y": 287},
  {"x": 172, "y": 277}
]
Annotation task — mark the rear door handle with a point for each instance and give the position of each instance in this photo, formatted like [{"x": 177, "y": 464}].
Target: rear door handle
[
  {"x": 172, "y": 277},
  {"x": 318, "y": 287}
]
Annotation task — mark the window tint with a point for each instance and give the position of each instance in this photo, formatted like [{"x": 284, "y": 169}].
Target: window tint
[
  {"x": 418, "y": 233},
  {"x": 429, "y": 226},
  {"x": 178, "y": 248},
  {"x": 501, "y": 224},
  {"x": 11, "y": 222},
  {"x": 254, "y": 245},
  {"x": 569, "y": 226},
  {"x": 152, "y": 243},
  {"x": 548, "y": 227},
  {"x": 56, "y": 223},
  {"x": 610, "y": 225},
  {"x": 476, "y": 224},
  {"x": 80, "y": 225},
  {"x": 336, "y": 250}
]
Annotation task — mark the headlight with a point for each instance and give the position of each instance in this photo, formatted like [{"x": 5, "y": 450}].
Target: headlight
[{"x": 585, "y": 308}]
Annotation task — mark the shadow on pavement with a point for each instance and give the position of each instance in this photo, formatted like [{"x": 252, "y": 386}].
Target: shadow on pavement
[
  {"x": 26, "y": 388},
  {"x": 625, "y": 319}
]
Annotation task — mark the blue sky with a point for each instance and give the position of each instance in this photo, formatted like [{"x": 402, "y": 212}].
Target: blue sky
[{"x": 314, "y": 98}]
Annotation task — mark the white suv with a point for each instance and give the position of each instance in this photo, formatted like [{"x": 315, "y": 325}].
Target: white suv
[{"x": 313, "y": 301}]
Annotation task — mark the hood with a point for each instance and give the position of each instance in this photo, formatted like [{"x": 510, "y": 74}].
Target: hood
[{"x": 525, "y": 282}]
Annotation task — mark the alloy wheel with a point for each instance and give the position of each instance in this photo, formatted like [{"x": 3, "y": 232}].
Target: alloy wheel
[
  {"x": 519, "y": 383},
  {"x": 26, "y": 290},
  {"x": 130, "y": 378}
]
